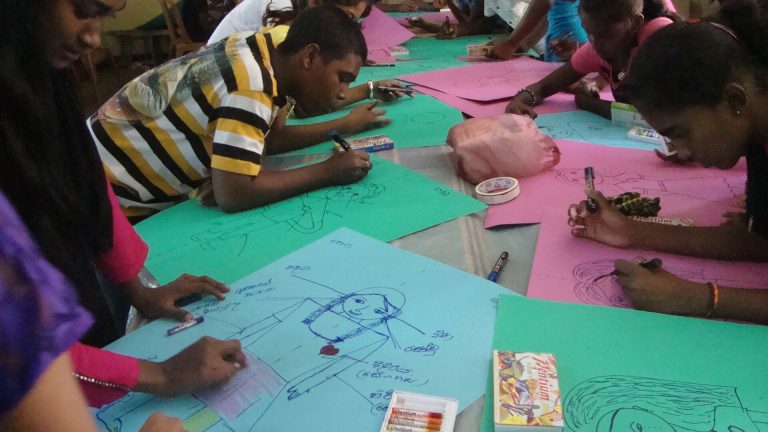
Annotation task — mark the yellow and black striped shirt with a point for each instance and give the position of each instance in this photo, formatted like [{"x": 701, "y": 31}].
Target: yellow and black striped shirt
[{"x": 161, "y": 134}]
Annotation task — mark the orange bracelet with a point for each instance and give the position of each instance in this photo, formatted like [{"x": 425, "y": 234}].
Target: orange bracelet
[{"x": 714, "y": 299}]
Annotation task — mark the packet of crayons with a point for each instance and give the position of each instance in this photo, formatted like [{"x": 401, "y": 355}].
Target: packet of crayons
[
  {"x": 371, "y": 144},
  {"x": 412, "y": 412}
]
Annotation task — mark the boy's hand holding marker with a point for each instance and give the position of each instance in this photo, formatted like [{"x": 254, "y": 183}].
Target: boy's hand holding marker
[
  {"x": 391, "y": 90},
  {"x": 347, "y": 165}
]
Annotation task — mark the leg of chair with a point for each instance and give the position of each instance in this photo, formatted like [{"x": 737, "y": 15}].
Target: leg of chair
[
  {"x": 92, "y": 72},
  {"x": 112, "y": 62}
]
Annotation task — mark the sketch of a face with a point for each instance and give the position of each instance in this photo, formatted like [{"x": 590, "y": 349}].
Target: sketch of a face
[
  {"x": 354, "y": 314},
  {"x": 621, "y": 403},
  {"x": 368, "y": 307},
  {"x": 633, "y": 420},
  {"x": 592, "y": 288},
  {"x": 609, "y": 176}
]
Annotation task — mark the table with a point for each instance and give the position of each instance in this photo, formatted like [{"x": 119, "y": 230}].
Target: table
[{"x": 462, "y": 243}]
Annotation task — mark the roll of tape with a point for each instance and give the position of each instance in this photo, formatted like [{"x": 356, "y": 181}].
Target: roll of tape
[{"x": 498, "y": 190}]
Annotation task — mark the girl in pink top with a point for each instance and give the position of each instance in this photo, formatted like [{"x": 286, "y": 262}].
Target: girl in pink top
[
  {"x": 704, "y": 86},
  {"x": 616, "y": 28},
  {"x": 106, "y": 376}
]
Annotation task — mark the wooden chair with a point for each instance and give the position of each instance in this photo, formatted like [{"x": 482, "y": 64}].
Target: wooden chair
[
  {"x": 180, "y": 41},
  {"x": 90, "y": 61}
]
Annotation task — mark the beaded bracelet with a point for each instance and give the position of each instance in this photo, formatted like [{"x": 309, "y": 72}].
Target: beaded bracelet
[
  {"x": 530, "y": 92},
  {"x": 714, "y": 299},
  {"x": 101, "y": 383}
]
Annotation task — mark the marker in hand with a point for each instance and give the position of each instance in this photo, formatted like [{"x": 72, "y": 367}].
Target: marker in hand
[
  {"x": 406, "y": 90},
  {"x": 493, "y": 276},
  {"x": 651, "y": 264},
  {"x": 339, "y": 140},
  {"x": 589, "y": 179}
]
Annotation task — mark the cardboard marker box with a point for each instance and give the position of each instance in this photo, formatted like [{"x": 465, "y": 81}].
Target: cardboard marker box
[
  {"x": 479, "y": 50},
  {"x": 626, "y": 115},
  {"x": 371, "y": 144},
  {"x": 526, "y": 393}
]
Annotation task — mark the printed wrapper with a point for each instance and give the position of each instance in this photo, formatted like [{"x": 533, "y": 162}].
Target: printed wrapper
[{"x": 526, "y": 391}]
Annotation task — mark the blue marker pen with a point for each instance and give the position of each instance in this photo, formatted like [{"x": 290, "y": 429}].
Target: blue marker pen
[
  {"x": 493, "y": 276},
  {"x": 185, "y": 325}
]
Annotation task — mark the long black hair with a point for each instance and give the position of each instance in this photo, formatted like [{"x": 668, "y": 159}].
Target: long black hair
[
  {"x": 49, "y": 167},
  {"x": 617, "y": 9},
  {"x": 689, "y": 64}
]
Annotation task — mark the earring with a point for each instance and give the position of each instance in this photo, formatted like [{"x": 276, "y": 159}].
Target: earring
[{"x": 738, "y": 112}]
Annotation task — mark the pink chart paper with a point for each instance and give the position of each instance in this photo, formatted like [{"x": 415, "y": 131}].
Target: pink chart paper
[
  {"x": 485, "y": 81},
  {"x": 566, "y": 268},
  {"x": 702, "y": 194},
  {"x": 382, "y": 31},
  {"x": 559, "y": 102}
]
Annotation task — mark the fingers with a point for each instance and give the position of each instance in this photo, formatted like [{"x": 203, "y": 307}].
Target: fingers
[
  {"x": 599, "y": 197},
  {"x": 179, "y": 314},
  {"x": 628, "y": 268},
  {"x": 529, "y": 112},
  {"x": 206, "y": 285},
  {"x": 232, "y": 352}
]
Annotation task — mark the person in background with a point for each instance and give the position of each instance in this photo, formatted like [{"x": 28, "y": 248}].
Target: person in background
[
  {"x": 616, "y": 29},
  {"x": 564, "y": 30}
]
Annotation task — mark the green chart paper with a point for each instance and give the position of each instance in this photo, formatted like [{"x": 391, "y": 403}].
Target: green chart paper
[
  {"x": 626, "y": 370},
  {"x": 391, "y": 202},
  {"x": 421, "y": 121}
]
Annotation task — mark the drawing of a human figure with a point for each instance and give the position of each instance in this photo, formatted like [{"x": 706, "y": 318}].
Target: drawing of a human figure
[
  {"x": 638, "y": 404},
  {"x": 594, "y": 285},
  {"x": 614, "y": 181},
  {"x": 305, "y": 214},
  {"x": 308, "y": 341}
]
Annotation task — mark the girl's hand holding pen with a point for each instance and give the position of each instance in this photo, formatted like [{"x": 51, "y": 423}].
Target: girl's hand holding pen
[
  {"x": 657, "y": 290},
  {"x": 606, "y": 225}
]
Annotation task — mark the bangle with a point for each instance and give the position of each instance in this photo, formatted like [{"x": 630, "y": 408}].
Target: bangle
[
  {"x": 530, "y": 92},
  {"x": 714, "y": 299},
  {"x": 101, "y": 383},
  {"x": 370, "y": 90}
]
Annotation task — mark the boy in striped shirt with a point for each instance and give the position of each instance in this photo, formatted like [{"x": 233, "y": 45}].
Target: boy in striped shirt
[{"x": 207, "y": 115}]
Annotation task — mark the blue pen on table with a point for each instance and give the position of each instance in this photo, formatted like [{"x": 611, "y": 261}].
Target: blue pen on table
[
  {"x": 493, "y": 276},
  {"x": 185, "y": 325},
  {"x": 589, "y": 179},
  {"x": 339, "y": 140}
]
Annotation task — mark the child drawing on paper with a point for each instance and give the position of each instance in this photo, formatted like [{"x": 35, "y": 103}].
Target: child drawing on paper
[
  {"x": 711, "y": 125},
  {"x": 594, "y": 284},
  {"x": 627, "y": 403}
]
